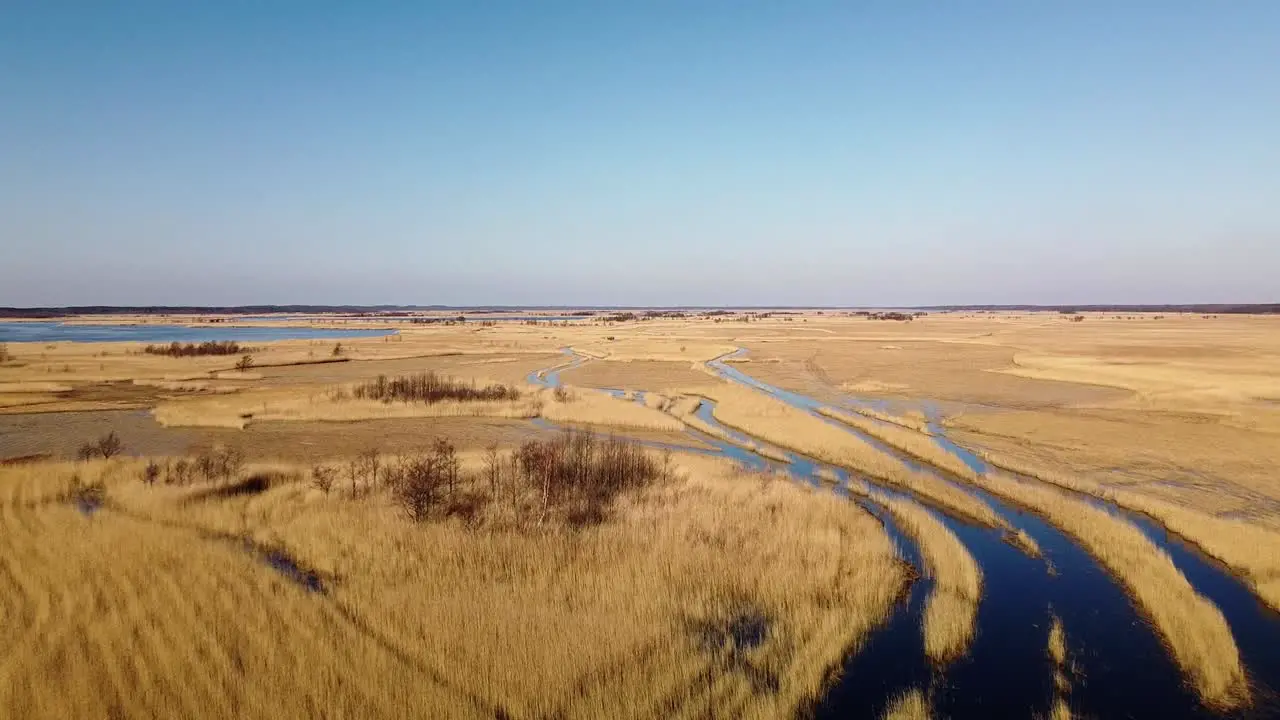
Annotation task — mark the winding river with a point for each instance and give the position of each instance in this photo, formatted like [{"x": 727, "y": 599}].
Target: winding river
[{"x": 1119, "y": 667}]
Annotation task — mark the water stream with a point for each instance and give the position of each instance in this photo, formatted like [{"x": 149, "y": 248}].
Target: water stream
[
  {"x": 1123, "y": 669},
  {"x": 1120, "y": 668}
]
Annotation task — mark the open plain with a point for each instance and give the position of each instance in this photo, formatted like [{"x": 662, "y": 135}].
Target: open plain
[{"x": 813, "y": 505}]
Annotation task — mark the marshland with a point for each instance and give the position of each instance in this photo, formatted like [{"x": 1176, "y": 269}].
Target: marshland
[
  {"x": 811, "y": 514},
  {"x": 578, "y": 361}
]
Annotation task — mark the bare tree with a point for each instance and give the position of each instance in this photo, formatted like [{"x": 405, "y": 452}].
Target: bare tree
[
  {"x": 493, "y": 469},
  {"x": 446, "y": 460},
  {"x": 230, "y": 463},
  {"x": 353, "y": 471},
  {"x": 369, "y": 463},
  {"x": 151, "y": 472},
  {"x": 109, "y": 445},
  {"x": 418, "y": 489},
  {"x": 322, "y": 477},
  {"x": 244, "y": 363}
]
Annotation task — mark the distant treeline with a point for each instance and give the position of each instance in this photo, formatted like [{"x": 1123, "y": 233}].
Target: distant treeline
[
  {"x": 404, "y": 310},
  {"x": 1213, "y": 309},
  {"x": 209, "y": 347}
]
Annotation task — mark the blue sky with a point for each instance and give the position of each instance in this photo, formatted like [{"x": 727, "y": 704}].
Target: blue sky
[{"x": 652, "y": 153}]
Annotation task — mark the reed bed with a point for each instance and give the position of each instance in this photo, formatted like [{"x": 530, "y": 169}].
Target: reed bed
[
  {"x": 1248, "y": 549},
  {"x": 774, "y": 421},
  {"x": 915, "y": 443},
  {"x": 687, "y": 413},
  {"x": 952, "y": 609},
  {"x": 1194, "y": 630},
  {"x": 331, "y": 405},
  {"x": 142, "y": 608},
  {"x": 594, "y": 407},
  {"x": 912, "y": 421}
]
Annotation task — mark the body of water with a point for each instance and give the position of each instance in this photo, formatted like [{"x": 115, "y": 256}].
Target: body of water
[{"x": 48, "y": 332}]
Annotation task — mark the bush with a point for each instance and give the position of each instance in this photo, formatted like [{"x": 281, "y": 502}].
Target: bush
[
  {"x": 430, "y": 388},
  {"x": 105, "y": 447},
  {"x": 4, "y": 353},
  {"x": 109, "y": 445},
  {"x": 151, "y": 472},
  {"x": 244, "y": 363}
]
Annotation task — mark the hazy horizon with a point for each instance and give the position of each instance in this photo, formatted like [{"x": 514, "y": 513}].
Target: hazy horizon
[{"x": 565, "y": 154}]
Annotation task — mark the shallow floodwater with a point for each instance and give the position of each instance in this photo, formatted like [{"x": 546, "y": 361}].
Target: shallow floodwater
[{"x": 16, "y": 332}]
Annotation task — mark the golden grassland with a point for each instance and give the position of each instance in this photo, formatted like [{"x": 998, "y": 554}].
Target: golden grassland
[
  {"x": 910, "y": 705},
  {"x": 152, "y": 608},
  {"x": 776, "y": 422},
  {"x": 1192, "y": 628}
]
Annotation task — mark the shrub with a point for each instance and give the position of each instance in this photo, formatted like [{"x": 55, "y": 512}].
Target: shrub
[
  {"x": 106, "y": 447},
  {"x": 244, "y": 363},
  {"x": 337, "y": 350},
  {"x": 417, "y": 488},
  {"x": 4, "y": 353},
  {"x": 151, "y": 472},
  {"x": 430, "y": 388}
]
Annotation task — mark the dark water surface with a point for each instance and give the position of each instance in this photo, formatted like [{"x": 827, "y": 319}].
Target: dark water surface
[{"x": 65, "y": 332}]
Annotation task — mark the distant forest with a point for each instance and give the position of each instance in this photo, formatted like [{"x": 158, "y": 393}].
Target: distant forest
[{"x": 393, "y": 310}]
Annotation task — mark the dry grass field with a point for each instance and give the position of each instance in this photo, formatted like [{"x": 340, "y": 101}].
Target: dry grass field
[
  {"x": 151, "y": 606},
  {"x": 717, "y": 592}
]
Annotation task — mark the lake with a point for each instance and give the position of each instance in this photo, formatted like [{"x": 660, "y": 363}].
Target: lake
[{"x": 47, "y": 332}]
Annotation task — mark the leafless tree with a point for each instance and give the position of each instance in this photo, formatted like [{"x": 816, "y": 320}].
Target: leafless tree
[
  {"x": 109, "y": 445},
  {"x": 322, "y": 477}
]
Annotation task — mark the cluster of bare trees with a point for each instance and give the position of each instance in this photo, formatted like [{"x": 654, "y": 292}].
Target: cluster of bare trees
[
  {"x": 219, "y": 464},
  {"x": 177, "y": 349},
  {"x": 105, "y": 447},
  {"x": 573, "y": 477},
  {"x": 430, "y": 388}
]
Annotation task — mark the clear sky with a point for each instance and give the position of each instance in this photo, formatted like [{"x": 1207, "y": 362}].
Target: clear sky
[{"x": 885, "y": 152}]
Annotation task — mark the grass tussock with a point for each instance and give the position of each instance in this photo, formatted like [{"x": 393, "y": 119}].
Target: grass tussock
[
  {"x": 952, "y": 608},
  {"x": 431, "y": 388},
  {"x": 675, "y": 602},
  {"x": 1248, "y": 549},
  {"x": 1192, "y": 627},
  {"x": 910, "y": 705},
  {"x": 776, "y": 422},
  {"x": 1022, "y": 540}
]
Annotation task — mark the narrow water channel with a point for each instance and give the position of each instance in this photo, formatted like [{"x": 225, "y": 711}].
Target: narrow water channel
[
  {"x": 1119, "y": 667},
  {"x": 1123, "y": 669}
]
